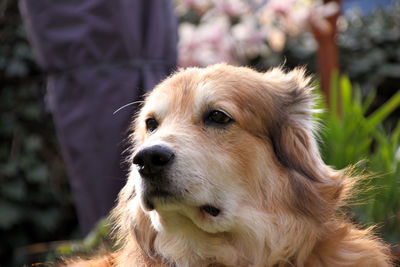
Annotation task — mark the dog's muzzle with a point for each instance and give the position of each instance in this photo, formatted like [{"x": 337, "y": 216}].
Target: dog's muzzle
[{"x": 153, "y": 163}]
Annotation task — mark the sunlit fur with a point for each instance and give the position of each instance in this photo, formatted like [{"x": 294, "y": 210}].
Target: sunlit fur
[{"x": 279, "y": 202}]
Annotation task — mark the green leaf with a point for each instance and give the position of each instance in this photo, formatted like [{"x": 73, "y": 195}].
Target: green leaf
[
  {"x": 368, "y": 101},
  {"x": 16, "y": 68},
  {"x": 9, "y": 215},
  {"x": 38, "y": 174},
  {"x": 32, "y": 143},
  {"x": 30, "y": 112},
  {"x": 380, "y": 114},
  {"x": 14, "y": 189},
  {"x": 9, "y": 169},
  {"x": 46, "y": 219},
  {"x": 396, "y": 135},
  {"x": 345, "y": 90},
  {"x": 333, "y": 98}
]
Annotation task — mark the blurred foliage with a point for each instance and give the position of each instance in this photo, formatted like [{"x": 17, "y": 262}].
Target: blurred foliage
[
  {"x": 370, "y": 53},
  {"x": 352, "y": 137},
  {"x": 97, "y": 242},
  {"x": 35, "y": 202},
  {"x": 370, "y": 47}
]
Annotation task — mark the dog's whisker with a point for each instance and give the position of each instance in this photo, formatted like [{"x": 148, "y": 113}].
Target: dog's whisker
[{"x": 127, "y": 105}]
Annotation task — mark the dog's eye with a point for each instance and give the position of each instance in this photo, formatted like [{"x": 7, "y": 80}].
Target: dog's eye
[
  {"x": 151, "y": 125},
  {"x": 218, "y": 117}
]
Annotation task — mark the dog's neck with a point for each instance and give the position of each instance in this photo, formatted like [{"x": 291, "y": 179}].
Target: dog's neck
[
  {"x": 331, "y": 244},
  {"x": 257, "y": 244},
  {"x": 335, "y": 248},
  {"x": 266, "y": 240},
  {"x": 200, "y": 249}
]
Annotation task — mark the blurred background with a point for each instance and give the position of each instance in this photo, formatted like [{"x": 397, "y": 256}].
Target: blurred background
[{"x": 351, "y": 47}]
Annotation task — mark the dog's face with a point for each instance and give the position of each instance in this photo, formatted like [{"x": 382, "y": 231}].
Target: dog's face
[
  {"x": 214, "y": 147},
  {"x": 226, "y": 172},
  {"x": 196, "y": 157}
]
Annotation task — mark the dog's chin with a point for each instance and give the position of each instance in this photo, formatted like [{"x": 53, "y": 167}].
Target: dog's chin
[
  {"x": 156, "y": 199},
  {"x": 169, "y": 213}
]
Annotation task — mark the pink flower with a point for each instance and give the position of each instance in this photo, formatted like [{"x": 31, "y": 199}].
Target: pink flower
[
  {"x": 248, "y": 39},
  {"x": 205, "y": 44},
  {"x": 232, "y": 8},
  {"x": 257, "y": 23}
]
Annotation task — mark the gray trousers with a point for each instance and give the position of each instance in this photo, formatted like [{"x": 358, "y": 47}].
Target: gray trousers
[{"x": 98, "y": 55}]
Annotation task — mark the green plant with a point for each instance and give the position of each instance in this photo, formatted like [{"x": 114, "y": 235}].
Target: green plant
[
  {"x": 98, "y": 242},
  {"x": 351, "y": 137}
]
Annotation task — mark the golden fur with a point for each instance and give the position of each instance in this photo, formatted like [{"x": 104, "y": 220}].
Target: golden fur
[{"x": 279, "y": 202}]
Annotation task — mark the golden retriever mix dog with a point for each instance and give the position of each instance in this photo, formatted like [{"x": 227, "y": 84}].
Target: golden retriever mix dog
[{"x": 226, "y": 172}]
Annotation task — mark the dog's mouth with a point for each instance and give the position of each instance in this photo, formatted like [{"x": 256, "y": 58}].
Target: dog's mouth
[
  {"x": 211, "y": 210},
  {"x": 159, "y": 195},
  {"x": 156, "y": 196},
  {"x": 168, "y": 198}
]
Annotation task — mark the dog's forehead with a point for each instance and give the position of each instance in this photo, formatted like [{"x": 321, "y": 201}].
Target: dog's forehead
[
  {"x": 196, "y": 90},
  {"x": 184, "y": 93},
  {"x": 174, "y": 94}
]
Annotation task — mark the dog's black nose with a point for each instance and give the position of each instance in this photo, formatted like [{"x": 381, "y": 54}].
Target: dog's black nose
[{"x": 153, "y": 160}]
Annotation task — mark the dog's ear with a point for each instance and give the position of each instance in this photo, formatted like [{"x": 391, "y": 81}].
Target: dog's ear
[
  {"x": 294, "y": 142},
  {"x": 293, "y": 131}
]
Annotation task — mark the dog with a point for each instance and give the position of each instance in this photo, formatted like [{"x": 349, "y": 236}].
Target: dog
[{"x": 226, "y": 171}]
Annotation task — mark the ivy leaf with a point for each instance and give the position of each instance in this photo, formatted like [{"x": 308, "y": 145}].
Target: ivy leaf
[
  {"x": 9, "y": 169},
  {"x": 16, "y": 68},
  {"x": 9, "y": 215},
  {"x": 38, "y": 174},
  {"x": 45, "y": 219},
  {"x": 32, "y": 143},
  {"x": 14, "y": 189}
]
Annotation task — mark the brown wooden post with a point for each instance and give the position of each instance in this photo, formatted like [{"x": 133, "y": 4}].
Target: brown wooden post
[{"x": 327, "y": 54}]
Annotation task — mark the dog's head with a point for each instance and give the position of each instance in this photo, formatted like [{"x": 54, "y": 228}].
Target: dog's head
[{"x": 229, "y": 150}]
